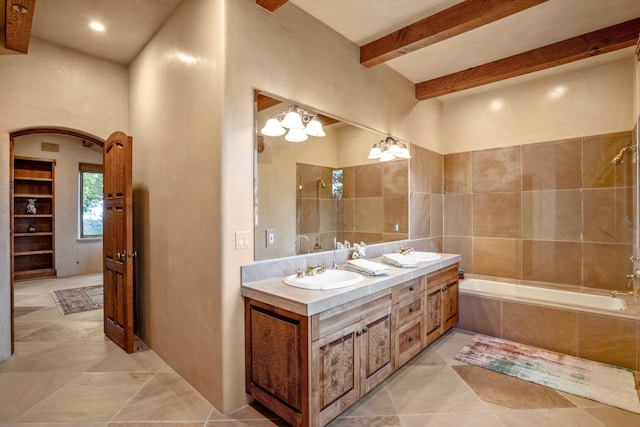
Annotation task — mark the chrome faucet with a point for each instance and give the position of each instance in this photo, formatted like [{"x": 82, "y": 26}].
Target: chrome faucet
[{"x": 299, "y": 236}]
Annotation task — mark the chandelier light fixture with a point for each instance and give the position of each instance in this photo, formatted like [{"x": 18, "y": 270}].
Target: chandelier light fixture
[
  {"x": 389, "y": 149},
  {"x": 301, "y": 124}
]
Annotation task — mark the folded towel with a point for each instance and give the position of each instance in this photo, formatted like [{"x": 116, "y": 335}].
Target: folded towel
[
  {"x": 363, "y": 266},
  {"x": 399, "y": 260}
]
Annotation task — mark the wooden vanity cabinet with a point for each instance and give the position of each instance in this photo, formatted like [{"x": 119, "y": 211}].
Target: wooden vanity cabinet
[
  {"x": 351, "y": 355},
  {"x": 442, "y": 303},
  {"x": 277, "y": 360},
  {"x": 309, "y": 369}
]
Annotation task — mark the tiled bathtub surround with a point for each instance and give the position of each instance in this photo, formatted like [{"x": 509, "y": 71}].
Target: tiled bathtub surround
[
  {"x": 554, "y": 211},
  {"x": 603, "y": 338}
]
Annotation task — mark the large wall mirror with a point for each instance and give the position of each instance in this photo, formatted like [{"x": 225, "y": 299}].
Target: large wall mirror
[{"x": 308, "y": 192}]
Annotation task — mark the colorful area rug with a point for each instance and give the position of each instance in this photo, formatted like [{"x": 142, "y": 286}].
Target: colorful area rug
[
  {"x": 77, "y": 300},
  {"x": 608, "y": 384}
]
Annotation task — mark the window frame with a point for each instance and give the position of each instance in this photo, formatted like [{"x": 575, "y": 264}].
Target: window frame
[{"x": 82, "y": 169}]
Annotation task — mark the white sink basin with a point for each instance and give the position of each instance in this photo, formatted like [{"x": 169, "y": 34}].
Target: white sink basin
[
  {"x": 330, "y": 279},
  {"x": 425, "y": 256}
]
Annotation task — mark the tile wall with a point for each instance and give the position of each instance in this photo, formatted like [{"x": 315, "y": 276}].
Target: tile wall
[
  {"x": 375, "y": 202},
  {"x": 606, "y": 339},
  {"x": 316, "y": 215},
  {"x": 555, "y": 211},
  {"x": 373, "y": 207},
  {"x": 426, "y": 196}
]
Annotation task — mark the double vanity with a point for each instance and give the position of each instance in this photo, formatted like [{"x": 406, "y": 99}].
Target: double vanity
[{"x": 310, "y": 354}]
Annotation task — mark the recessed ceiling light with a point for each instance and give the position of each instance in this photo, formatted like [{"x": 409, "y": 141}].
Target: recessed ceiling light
[{"x": 97, "y": 26}]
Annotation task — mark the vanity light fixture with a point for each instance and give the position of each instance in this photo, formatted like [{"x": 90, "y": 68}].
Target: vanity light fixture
[
  {"x": 389, "y": 149},
  {"x": 301, "y": 124}
]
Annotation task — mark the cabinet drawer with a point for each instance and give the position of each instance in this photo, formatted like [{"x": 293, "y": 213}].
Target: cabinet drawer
[
  {"x": 409, "y": 342},
  {"x": 443, "y": 277},
  {"x": 408, "y": 290},
  {"x": 337, "y": 318},
  {"x": 409, "y": 310}
]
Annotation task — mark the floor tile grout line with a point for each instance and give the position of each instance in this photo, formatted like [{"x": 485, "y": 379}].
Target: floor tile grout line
[{"x": 133, "y": 396}]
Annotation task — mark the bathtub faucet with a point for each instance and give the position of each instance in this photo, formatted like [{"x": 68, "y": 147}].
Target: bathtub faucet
[{"x": 632, "y": 284}]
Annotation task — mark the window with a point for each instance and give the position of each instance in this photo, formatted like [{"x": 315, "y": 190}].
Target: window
[{"x": 90, "y": 200}]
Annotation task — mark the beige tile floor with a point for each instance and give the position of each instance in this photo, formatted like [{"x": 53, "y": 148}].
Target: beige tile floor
[{"x": 65, "y": 373}]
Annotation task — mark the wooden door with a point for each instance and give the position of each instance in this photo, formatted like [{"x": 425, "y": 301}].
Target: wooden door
[
  {"x": 337, "y": 361},
  {"x": 450, "y": 306},
  {"x": 376, "y": 364},
  {"x": 118, "y": 241},
  {"x": 434, "y": 315}
]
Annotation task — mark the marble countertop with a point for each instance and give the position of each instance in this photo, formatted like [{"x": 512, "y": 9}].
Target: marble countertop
[{"x": 309, "y": 302}]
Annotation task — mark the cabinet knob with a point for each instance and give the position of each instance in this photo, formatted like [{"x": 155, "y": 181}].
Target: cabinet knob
[
  {"x": 411, "y": 339},
  {"x": 358, "y": 333},
  {"x": 411, "y": 309},
  {"x": 412, "y": 288},
  {"x": 365, "y": 330}
]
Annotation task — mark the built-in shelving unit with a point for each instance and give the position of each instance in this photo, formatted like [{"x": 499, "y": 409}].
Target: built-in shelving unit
[{"x": 32, "y": 234}]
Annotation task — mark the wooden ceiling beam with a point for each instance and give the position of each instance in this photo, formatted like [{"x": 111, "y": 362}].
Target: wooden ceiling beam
[
  {"x": 606, "y": 40},
  {"x": 18, "y": 19},
  {"x": 450, "y": 22},
  {"x": 271, "y": 5}
]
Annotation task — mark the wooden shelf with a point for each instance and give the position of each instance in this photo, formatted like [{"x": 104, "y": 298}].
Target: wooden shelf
[
  {"x": 33, "y": 196},
  {"x": 42, "y": 233},
  {"x": 31, "y": 178},
  {"x": 32, "y": 254},
  {"x": 34, "y": 274},
  {"x": 50, "y": 251}
]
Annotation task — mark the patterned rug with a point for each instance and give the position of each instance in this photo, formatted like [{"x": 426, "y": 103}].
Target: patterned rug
[
  {"x": 77, "y": 300},
  {"x": 608, "y": 384}
]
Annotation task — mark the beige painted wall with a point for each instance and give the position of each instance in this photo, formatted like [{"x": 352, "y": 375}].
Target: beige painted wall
[
  {"x": 176, "y": 102},
  {"x": 591, "y": 101},
  {"x": 194, "y": 175},
  {"x": 73, "y": 256},
  {"x": 271, "y": 52},
  {"x": 52, "y": 86}
]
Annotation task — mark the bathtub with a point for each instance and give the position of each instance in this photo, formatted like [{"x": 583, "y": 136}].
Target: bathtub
[
  {"x": 592, "y": 326},
  {"x": 542, "y": 295}
]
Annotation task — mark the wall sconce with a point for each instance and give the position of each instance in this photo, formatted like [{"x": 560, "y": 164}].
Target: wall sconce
[
  {"x": 301, "y": 124},
  {"x": 389, "y": 149}
]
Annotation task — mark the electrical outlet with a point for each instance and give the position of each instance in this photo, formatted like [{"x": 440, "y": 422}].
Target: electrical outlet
[{"x": 271, "y": 237}]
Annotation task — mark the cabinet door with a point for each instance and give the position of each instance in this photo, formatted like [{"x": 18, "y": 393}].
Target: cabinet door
[
  {"x": 450, "y": 305},
  {"x": 433, "y": 326},
  {"x": 337, "y": 360},
  {"x": 377, "y": 341}
]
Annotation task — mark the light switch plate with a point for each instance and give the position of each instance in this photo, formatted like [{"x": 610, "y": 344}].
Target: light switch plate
[
  {"x": 242, "y": 239},
  {"x": 270, "y": 236}
]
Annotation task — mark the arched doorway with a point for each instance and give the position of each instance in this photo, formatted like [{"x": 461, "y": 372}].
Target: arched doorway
[{"x": 78, "y": 138}]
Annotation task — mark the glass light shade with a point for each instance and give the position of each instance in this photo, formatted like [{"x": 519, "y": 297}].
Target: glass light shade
[
  {"x": 314, "y": 128},
  {"x": 292, "y": 121},
  {"x": 394, "y": 149},
  {"x": 296, "y": 135},
  {"x": 404, "y": 153},
  {"x": 375, "y": 153},
  {"x": 273, "y": 128},
  {"x": 387, "y": 156}
]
